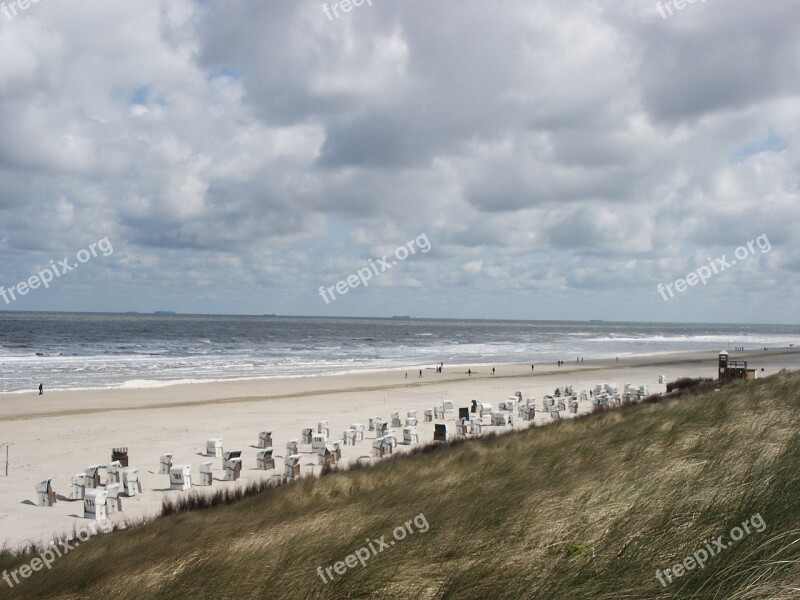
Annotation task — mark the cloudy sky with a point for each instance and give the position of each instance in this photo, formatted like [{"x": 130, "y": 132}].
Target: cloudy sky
[{"x": 562, "y": 158}]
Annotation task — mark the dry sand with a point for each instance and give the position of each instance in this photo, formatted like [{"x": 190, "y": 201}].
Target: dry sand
[{"x": 62, "y": 433}]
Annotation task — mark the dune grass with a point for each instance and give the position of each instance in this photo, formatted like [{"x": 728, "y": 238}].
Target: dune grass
[{"x": 588, "y": 508}]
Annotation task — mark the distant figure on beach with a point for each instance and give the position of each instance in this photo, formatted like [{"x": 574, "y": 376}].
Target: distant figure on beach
[
  {"x": 531, "y": 367},
  {"x": 420, "y": 374},
  {"x": 492, "y": 370},
  {"x": 469, "y": 372},
  {"x": 406, "y": 374},
  {"x": 41, "y": 389}
]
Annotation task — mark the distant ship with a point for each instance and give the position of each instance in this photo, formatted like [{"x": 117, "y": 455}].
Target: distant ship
[
  {"x": 164, "y": 313},
  {"x": 401, "y": 317}
]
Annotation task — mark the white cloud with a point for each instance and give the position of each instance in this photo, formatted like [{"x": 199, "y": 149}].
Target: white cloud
[{"x": 573, "y": 153}]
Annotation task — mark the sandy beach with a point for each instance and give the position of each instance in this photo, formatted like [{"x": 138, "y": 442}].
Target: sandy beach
[{"x": 61, "y": 433}]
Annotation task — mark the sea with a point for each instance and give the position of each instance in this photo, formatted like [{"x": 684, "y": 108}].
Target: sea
[{"x": 90, "y": 351}]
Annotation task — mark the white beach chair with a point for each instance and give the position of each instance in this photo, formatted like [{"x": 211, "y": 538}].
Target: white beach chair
[
  {"x": 264, "y": 459},
  {"x": 214, "y": 447},
  {"x": 130, "y": 482},
  {"x": 441, "y": 432},
  {"x": 265, "y": 439},
  {"x": 396, "y": 419},
  {"x": 45, "y": 494},
  {"x": 291, "y": 466},
  {"x": 113, "y": 500},
  {"x": 93, "y": 476},
  {"x": 165, "y": 464},
  {"x": 77, "y": 486},
  {"x": 306, "y": 436},
  {"x": 318, "y": 441},
  {"x": 501, "y": 419},
  {"x": 359, "y": 429},
  {"x": 391, "y": 436},
  {"x": 349, "y": 437},
  {"x": 180, "y": 477},
  {"x": 113, "y": 472},
  {"x": 410, "y": 436},
  {"x": 378, "y": 448},
  {"x": 233, "y": 468},
  {"x": 94, "y": 504}
]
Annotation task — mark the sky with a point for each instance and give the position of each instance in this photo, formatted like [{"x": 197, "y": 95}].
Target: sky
[{"x": 543, "y": 159}]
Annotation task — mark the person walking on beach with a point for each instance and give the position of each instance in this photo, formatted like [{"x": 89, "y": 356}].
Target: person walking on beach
[
  {"x": 469, "y": 372},
  {"x": 531, "y": 367},
  {"x": 41, "y": 389},
  {"x": 492, "y": 370},
  {"x": 420, "y": 374}
]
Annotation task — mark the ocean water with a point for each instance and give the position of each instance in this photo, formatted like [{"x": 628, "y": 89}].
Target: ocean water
[{"x": 75, "y": 351}]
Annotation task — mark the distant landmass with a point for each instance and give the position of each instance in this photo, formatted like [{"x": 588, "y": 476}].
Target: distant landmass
[{"x": 164, "y": 313}]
